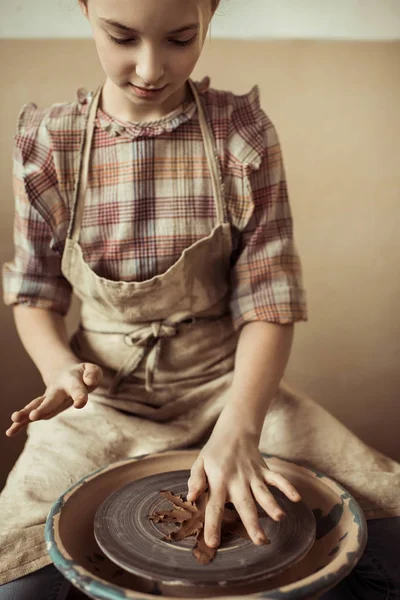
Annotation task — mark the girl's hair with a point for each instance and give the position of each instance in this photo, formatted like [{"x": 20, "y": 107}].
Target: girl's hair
[{"x": 206, "y": 10}]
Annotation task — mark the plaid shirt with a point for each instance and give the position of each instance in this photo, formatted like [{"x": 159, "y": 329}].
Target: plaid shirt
[{"x": 149, "y": 197}]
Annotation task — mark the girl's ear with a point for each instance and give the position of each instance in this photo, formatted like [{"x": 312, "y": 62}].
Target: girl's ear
[{"x": 84, "y": 7}]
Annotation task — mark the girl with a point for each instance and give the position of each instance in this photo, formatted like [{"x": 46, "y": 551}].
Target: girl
[{"x": 162, "y": 205}]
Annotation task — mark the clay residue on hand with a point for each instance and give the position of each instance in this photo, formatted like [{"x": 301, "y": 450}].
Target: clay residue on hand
[{"x": 189, "y": 519}]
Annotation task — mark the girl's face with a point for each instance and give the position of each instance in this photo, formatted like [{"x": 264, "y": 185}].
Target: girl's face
[{"x": 145, "y": 45}]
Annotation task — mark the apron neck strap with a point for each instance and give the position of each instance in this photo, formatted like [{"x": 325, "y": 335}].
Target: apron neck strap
[
  {"x": 82, "y": 179},
  {"x": 212, "y": 157},
  {"x": 84, "y": 157}
]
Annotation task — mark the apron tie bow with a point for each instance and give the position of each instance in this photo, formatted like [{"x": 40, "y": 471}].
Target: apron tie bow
[{"x": 144, "y": 341}]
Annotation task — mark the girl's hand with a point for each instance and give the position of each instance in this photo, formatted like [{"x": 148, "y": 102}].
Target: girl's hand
[
  {"x": 70, "y": 386},
  {"x": 232, "y": 468}
]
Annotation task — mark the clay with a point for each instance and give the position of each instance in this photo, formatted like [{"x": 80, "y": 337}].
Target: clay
[{"x": 190, "y": 517}]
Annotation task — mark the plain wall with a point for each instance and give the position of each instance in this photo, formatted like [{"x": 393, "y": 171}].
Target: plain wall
[
  {"x": 336, "y": 108},
  {"x": 235, "y": 19}
]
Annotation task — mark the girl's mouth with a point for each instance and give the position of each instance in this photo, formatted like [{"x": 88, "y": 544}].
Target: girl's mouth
[{"x": 146, "y": 93}]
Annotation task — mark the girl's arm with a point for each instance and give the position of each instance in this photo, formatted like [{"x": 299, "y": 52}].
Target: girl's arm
[
  {"x": 230, "y": 464},
  {"x": 68, "y": 381},
  {"x": 44, "y": 337},
  {"x": 261, "y": 358}
]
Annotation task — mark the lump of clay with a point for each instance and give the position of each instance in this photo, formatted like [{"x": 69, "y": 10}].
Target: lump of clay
[{"x": 189, "y": 518}]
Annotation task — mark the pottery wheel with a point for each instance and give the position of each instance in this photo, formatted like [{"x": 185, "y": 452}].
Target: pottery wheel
[{"x": 130, "y": 539}]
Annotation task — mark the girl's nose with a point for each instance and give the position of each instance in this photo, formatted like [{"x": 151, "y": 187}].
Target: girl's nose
[{"x": 149, "y": 67}]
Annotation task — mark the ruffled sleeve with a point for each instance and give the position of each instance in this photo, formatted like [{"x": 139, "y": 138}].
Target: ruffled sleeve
[
  {"x": 34, "y": 277},
  {"x": 266, "y": 275}
]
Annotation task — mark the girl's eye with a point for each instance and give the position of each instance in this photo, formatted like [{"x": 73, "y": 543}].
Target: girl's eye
[
  {"x": 120, "y": 41},
  {"x": 126, "y": 41},
  {"x": 184, "y": 43}
]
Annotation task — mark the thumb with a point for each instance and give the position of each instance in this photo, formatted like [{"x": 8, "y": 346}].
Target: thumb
[{"x": 92, "y": 376}]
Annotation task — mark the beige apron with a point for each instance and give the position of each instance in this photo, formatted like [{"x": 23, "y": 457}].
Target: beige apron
[{"x": 167, "y": 348}]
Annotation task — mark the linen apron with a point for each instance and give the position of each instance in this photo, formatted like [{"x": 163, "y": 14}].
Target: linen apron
[{"x": 167, "y": 348}]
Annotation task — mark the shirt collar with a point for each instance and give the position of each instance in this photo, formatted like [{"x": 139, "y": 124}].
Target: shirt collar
[{"x": 116, "y": 127}]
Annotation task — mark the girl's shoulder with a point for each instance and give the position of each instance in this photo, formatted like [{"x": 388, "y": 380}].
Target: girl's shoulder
[
  {"x": 50, "y": 127},
  {"x": 240, "y": 120},
  {"x": 60, "y": 114}
]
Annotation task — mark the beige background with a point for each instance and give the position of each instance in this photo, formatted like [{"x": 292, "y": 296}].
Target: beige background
[
  {"x": 336, "y": 108},
  {"x": 256, "y": 19}
]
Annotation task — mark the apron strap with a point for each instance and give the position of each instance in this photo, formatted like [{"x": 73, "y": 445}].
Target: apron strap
[
  {"x": 212, "y": 158},
  {"x": 82, "y": 179},
  {"x": 84, "y": 159}
]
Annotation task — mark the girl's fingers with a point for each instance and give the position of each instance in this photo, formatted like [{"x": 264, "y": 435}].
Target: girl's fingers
[
  {"x": 197, "y": 483},
  {"x": 79, "y": 395},
  {"x": 51, "y": 402},
  {"x": 213, "y": 516},
  {"x": 16, "y": 428},
  {"x": 277, "y": 480},
  {"x": 46, "y": 409},
  {"x": 55, "y": 400},
  {"x": 23, "y": 414},
  {"x": 245, "y": 506},
  {"x": 92, "y": 376},
  {"x": 266, "y": 500},
  {"x": 63, "y": 406}
]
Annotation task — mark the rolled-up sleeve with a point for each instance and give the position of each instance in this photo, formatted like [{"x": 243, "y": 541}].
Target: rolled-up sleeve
[
  {"x": 34, "y": 276},
  {"x": 266, "y": 278}
]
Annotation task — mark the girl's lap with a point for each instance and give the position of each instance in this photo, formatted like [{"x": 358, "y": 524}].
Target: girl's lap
[{"x": 45, "y": 584}]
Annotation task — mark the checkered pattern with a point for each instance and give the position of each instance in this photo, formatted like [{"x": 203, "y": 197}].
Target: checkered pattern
[{"x": 149, "y": 197}]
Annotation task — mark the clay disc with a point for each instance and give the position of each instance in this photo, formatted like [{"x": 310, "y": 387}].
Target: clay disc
[{"x": 130, "y": 539}]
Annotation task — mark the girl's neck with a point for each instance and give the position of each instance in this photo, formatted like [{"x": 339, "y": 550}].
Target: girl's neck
[{"x": 116, "y": 103}]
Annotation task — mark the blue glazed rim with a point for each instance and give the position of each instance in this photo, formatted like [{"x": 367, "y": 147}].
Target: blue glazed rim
[{"x": 108, "y": 591}]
